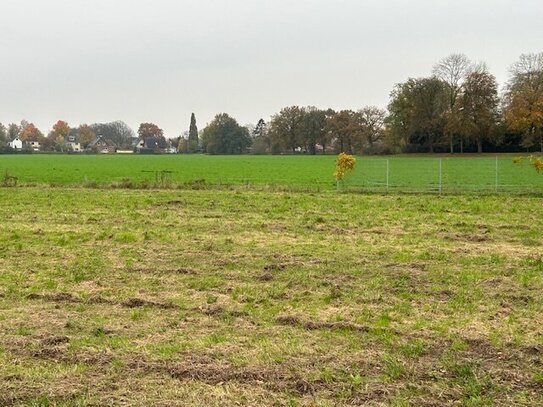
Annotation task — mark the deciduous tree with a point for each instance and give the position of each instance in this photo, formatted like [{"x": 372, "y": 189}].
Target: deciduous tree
[
  {"x": 479, "y": 107},
  {"x": 342, "y": 127},
  {"x": 372, "y": 122},
  {"x": 524, "y": 99},
  {"x": 313, "y": 128},
  {"x": 183, "y": 144},
  {"x": 285, "y": 129},
  {"x": 225, "y": 136},
  {"x": 453, "y": 71},
  {"x": 399, "y": 117},
  {"x": 118, "y": 132},
  {"x": 417, "y": 111},
  {"x": 13, "y": 131},
  {"x": 31, "y": 133},
  {"x": 150, "y": 130},
  {"x": 58, "y": 134},
  {"x": 85, "y": 135}
]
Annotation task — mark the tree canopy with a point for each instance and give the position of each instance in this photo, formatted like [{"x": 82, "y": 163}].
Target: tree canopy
[
  {"x": 225, "y": 136},
  {"x": 118, "y": 132},
  {"x": 524, "y": 99}
]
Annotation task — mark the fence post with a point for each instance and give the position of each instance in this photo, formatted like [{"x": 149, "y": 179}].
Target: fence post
[
  {"x": 497, "y": 173},
  {"x": 388, "y": 173},
  {"x": 440, "y": 175}
]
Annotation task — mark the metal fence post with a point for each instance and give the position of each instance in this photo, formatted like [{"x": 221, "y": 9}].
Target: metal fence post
[
  {"x": 497, "y": 173},
  {"x": 440, "y": 176},
  {"x": 388, "y": 173}
]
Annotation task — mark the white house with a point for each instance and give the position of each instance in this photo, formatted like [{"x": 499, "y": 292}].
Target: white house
[
  {"x": 16, "y": 143},
  {"x": 73, "y": 146}
]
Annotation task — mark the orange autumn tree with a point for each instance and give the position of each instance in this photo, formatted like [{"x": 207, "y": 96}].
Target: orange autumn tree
[
  {"x": 59, "y": 133},
  {"x": 524, "y": 99},
  {"x": 536, "y": 162},
  {"x": 344, "y": 164},
  {"x": 30, "y": 132}
]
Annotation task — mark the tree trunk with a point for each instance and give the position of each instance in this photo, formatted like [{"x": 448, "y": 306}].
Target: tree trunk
[
  {"x": 479, "y": 145},
  {"x": 452, "y": 143},
  {"x": 461, "y": 145}
]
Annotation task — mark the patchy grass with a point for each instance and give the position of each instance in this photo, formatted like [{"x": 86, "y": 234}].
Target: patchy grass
[{"x": 218, "y": 298}]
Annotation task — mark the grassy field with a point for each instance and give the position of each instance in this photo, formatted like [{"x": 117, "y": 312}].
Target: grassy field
[
  {"x": 247, "y": 298},
  {"x": 420, "y": 173}
]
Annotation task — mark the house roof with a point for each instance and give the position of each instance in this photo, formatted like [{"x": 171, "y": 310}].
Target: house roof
[
  {"x": 153, "y": 142},
  {"x": 101, "y": 140}
]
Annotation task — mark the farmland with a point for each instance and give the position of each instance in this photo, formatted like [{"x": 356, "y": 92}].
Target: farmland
[
  {"x": 396, "y": 173},
  {"x": 246, "y": 297}
]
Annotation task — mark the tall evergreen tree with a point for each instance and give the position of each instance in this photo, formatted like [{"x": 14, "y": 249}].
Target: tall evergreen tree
[{"x": 193, "y": 135}]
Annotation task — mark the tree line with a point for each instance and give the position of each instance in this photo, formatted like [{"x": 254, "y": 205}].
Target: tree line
[{"x": 459, "y": 108}]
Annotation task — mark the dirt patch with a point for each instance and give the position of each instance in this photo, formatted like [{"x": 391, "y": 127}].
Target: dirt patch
[
  {"x": 219, "y": 310},
  {"x": 270, "y": 271},
  {"x": 213, "y": 372},
  {"x": 129, "y": 303},
  {"x": 291, "y": 320},
  {"x": 58, "y": 297},
  {"x": 266, "y": 277},
  {"x": 186, "y": 270},
  {"x": 533, "y": 350},
  {"x": 478, "y": 238},
  {"x": 60, "y": 353},
  {"x": 96, "y": 299},
  {"x": 467, "y": 237},
  {"x": 154, "y": 271},
  {"x": 49, "y": 354},
  {"x": 139, "y": 302},
  {"x": 174, "y": 202},
  {"x": 55, "y": 340},
  {"x": 515, "y": 299}
]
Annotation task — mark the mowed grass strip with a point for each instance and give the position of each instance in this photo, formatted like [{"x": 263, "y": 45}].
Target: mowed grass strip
[
  {"x": 315, "y": 173},
  {"x": 217, "y": 298}
]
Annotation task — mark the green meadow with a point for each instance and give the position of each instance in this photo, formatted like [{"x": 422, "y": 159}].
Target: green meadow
[
  {"x": 264, "y": 298},
  {"x": 395, "y": 173}
]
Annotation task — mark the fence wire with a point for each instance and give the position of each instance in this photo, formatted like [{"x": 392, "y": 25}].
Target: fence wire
[{"x": 445, "y": 175}]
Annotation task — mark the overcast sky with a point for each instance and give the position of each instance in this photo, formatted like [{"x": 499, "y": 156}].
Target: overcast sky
[{"x": 159, "y": 60}]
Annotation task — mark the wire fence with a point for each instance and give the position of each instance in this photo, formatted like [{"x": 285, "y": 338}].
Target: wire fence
[
  {"x": 400, "y": 174},
  {"x": 439, "y": 175},
  {"x": 445, "y": 175}
]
